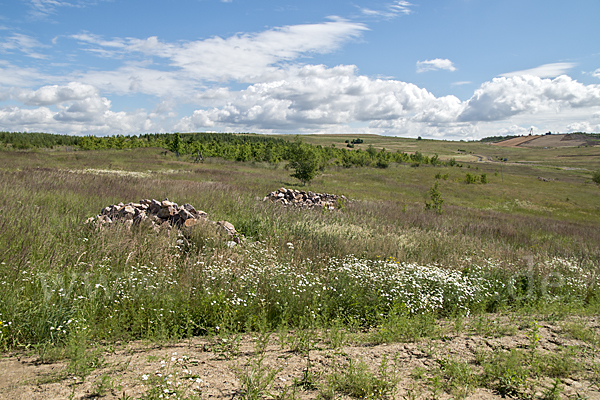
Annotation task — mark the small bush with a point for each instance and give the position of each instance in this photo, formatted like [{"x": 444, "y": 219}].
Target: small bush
[
  {"x": 505, "y": 372},
  {"x": 436, "y": 199},
  {"x": 459, "y": 378},
  {"x": 356, "y": 380},
  {"x": 382, "y": 163},
  {"x": 596, "y": 177},
  {"x": 470, "y": 179}
]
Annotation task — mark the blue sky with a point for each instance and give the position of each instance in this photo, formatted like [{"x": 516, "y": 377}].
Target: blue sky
[{"x": 447, "y": 69}]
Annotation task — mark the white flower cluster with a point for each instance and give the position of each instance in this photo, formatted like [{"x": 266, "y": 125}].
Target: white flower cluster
[
  {"x": 419, "y": 288},
  {"x": 262, "y": 277}
]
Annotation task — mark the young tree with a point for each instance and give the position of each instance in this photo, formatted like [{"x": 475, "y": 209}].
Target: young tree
[
  {"x": 436, "y": 199},
  {"x": 372, "y": 151},
  {"x": 175, "y": 145},
  {"x": 304, "y": 160}
]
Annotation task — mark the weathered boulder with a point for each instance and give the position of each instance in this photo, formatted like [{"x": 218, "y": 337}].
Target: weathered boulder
[
  {"x": 228, "y": 227},
  {"x": 184, "y": 215},
  {"x": 166, "y": 212},
  {"x": 191, "y": 222},
  {"x": 127, "y": 212}
]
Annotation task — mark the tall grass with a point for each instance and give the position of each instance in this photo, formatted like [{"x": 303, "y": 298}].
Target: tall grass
[{"x": 60, "y": 277}]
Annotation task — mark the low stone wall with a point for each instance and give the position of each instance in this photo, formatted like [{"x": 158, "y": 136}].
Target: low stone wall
[{"x": 305, "y": 199}]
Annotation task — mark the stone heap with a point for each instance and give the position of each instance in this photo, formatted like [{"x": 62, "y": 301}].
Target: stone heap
[
  {"x": 158, "y": 213},
  {"x": 300, "y": 198}
]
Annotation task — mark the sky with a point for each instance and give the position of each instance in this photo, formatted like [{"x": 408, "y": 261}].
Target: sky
[{"x": 440, "y": 69}]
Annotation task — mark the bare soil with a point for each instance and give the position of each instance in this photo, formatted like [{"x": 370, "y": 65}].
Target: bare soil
[
  {"x": 210, "y": 365},
  {"x": 544, "y": 141},
  {"x": 557, "y": 141},
  {"x": 514, "y": 142}
]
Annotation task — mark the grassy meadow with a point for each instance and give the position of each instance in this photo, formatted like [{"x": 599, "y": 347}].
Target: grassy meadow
[{"x": 378, "y": 264}]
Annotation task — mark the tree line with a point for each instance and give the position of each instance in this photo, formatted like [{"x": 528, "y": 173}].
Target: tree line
[
  {"x": 229, "y": 146},
  {"x": 30, "y": 140}
]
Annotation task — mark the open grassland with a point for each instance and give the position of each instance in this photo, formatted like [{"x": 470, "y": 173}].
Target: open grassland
[
  {"x": 379, "y": 270},
  {"x": 569, "y": 157}
]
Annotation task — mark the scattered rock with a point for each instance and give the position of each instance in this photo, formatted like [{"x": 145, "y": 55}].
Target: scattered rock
[
  {"x": 164, "y": 213},
  {"x": 301, "y": 198}
]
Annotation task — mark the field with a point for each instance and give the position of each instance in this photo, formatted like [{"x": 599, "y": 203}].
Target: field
[{"x": 491, "y": 292}]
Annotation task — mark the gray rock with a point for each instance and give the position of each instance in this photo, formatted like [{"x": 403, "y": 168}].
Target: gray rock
[
  {"x": 228, "y": 227},
  {"x": 166, "y": 212},
  {"x": 185, "y": 215},
  {"x": 154, "y": 206},
  {"x": 127, "y": 212}
]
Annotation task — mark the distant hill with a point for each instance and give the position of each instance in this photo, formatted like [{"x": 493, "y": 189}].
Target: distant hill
[{"x": 551, "y": 140}]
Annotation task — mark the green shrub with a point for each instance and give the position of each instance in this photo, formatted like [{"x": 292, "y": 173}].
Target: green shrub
[
  {"x": 356, "y": 380},
  {"x": 596, "y": 177},
  {"x": 436, "y": 199},
  {"x": 470, "y": 179}
]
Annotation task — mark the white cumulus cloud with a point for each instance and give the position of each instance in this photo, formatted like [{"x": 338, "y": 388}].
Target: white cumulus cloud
[
  {"x": 73, "y": 108},
  {"x": 436, "y": 64},
  {"x": 16, "y": 116},
  {"x": 505, "y": 97},
  {"x": 320, "y": 98},
  {"x": 584, "y": 126},
  {"x": 54, "y": 94}
]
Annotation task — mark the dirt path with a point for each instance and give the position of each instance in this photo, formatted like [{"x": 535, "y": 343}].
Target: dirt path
[{"x": 215, "y": 369}]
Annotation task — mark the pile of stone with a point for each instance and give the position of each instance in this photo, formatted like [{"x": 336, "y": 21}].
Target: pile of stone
[
  {"x": 158, "y": 214},
  {"x": 301, "y": 198}
]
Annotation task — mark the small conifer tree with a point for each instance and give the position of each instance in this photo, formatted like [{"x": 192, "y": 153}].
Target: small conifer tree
[{"x": 436, "y": 199}]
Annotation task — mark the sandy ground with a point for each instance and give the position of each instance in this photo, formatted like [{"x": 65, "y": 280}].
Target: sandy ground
[
  {"x": 544, "y": 141},
  {"x": 516, "y": 141},
  {"x": 211, "y": 368},
  {"x": 557, "y": 141}
]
